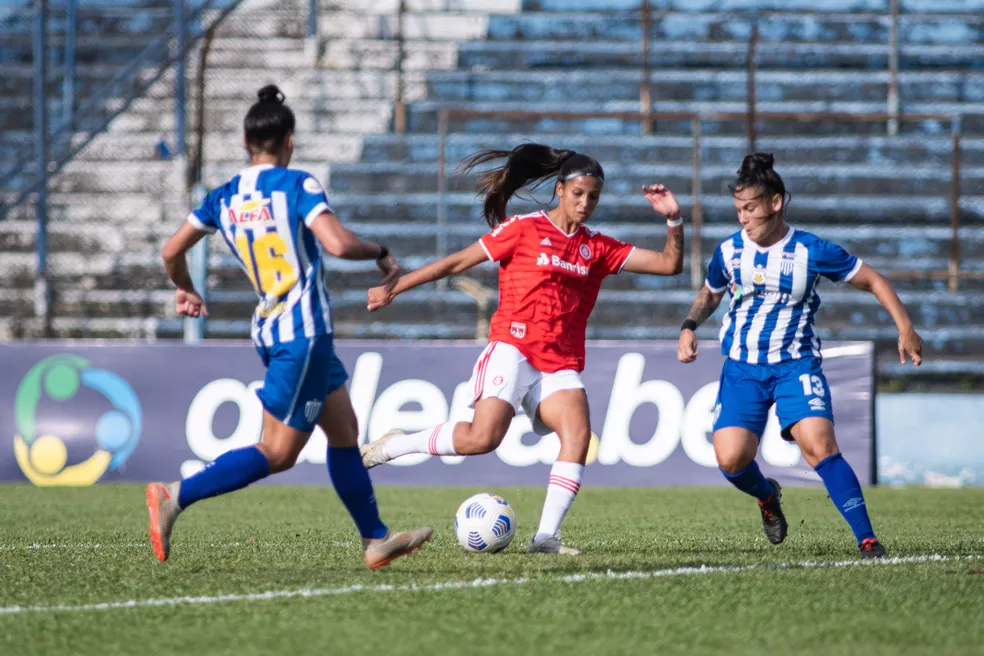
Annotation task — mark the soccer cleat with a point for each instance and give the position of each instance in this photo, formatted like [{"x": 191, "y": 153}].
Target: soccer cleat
[
  {"x": 550, "y": 544},
  {"x": 381, "y": 552},
  {"x": 773, "y": 520},
  {"x": 871, "y": 548},
  {"x": 374, "y": 453},
  {"x": 162, "y": 504}
]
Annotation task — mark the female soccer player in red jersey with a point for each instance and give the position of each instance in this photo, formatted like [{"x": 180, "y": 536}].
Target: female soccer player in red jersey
[{"x": 550, "y": 270}]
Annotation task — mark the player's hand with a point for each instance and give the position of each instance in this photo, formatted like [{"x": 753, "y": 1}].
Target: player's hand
[
  {"x": 662, "y": 200},
  {"x": 391, "y": 272},
  {"x": 379, "y": 297},
  {"x": 910, "y": 343},
  {"x": 687, "y": 346},
  {"x": 189, "y": 304}
]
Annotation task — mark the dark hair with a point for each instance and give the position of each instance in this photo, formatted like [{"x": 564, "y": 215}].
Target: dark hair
[
  {"x": 268, "y": 121},
  {"x": 529, "y": 165},
  {"x": 756, "y": 171}
]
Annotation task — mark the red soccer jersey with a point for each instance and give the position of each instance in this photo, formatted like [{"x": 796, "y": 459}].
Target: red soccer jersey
[{"x": 548, "y": 285}]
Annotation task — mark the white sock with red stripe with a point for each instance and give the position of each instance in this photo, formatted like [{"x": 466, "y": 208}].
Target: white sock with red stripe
[
  {"x": 565, "y": 481},
  {"x": 437, "y": 441}
]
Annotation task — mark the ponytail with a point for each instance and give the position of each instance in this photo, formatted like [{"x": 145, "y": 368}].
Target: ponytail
[
  {"x": 757, "y": 171},
  {"x": 528, "y": 165}
]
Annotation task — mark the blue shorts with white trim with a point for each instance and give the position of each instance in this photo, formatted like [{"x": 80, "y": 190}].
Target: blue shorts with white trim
[
  {"x": 747, "y": 392},
  {"x": 300, "y": 374}
]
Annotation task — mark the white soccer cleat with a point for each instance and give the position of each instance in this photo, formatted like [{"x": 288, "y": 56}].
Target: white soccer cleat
[
  {"x": 374, "y": 453},
  {"x": 162, "y": 504},
  {"x": 550, "y": 544},
  {"x": 381, "y": 552}
]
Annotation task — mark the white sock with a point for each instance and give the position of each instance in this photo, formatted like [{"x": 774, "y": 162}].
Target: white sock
[
  {"x": 565, "y": 481},
  {"x": 437, "y": 441}
]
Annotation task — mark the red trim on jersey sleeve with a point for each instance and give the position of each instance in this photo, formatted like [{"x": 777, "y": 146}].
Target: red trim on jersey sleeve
[{"x": 501, "y": 242}]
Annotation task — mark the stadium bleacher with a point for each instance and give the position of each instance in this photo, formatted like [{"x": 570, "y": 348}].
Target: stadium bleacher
[{"x": 884, "y": 197}]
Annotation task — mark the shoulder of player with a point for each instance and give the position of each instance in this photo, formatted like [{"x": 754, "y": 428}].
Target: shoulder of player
[
  {"x": 736, "y": 240},
  {"x": 513, "y": 220}
]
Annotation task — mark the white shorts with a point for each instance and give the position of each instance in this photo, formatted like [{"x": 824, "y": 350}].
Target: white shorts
[{"x": 502, "y": 372}]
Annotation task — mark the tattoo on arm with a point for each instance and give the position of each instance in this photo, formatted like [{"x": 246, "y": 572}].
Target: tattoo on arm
[
  {"x": 703, "y": 306},
  {"x": 678, "y": 240}
]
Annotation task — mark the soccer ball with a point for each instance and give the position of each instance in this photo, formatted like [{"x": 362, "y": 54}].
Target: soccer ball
[{"x": 485, "y": 522}]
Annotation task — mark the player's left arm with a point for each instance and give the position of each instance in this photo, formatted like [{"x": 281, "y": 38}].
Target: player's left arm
[
  {"x": 910, "y": 343},
  {"x": 669, "y": 261},
  {"x": 188, "y": 301}
]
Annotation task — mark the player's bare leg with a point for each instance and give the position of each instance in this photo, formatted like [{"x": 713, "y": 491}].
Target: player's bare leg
[
  {"x": 735, "y": 449},
  {"x": 566, "y": 413},
  {"x": 483, "y": 434},
  {"x": 815, "y": 437},
  {"x": 277, "y": 451},
  {"x": 380, "y": 545}
]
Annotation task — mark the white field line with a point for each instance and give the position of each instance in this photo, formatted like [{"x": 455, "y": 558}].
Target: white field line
[
  {"x": 481, "y": 583},
  {"x": 95, "y": 546}
]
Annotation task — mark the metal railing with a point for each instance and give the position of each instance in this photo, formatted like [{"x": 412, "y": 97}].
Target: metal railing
[{"x": 953, "y": 274}]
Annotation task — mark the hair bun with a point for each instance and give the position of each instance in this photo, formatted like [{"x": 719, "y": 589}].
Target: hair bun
[
  {"x": 271, "y": 93},
  {"x": 758, "y": 163}
]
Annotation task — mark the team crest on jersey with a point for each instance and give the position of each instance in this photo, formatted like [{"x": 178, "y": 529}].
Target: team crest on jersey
[
  {"x": 758, "y": 277},
  {"x": 585, "y": 251},
  {"x": 787, "y": 263},
  {"x": 517, "y": 330},
  {"x": 251, "y": 213}
]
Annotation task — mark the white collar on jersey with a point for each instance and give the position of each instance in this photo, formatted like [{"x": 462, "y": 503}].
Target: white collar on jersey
[
  {"x": 256, "y": 167},
  {"x": 781, "y": 244},
  {"x": 547, "y": 217}
]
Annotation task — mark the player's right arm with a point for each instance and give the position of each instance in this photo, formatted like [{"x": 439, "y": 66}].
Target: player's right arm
[
  {"x": 452, "y": 264},
  {"x": 339, "y": 241},
  {"x": 496, "y": 246},
  {"x": 187, "y": 301},
  {"x": 707, "y": 301}
]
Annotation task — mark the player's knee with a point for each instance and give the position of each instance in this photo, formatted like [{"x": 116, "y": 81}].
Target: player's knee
[
  {"x": 485, "y": 439},
  {"x": 281, "y": 458},
  {"x": 732, "y": 462}
]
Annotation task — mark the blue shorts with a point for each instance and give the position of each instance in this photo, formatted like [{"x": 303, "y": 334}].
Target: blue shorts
[
  {"x": 747, "y": 391},
  {"x": 300, "y": 376}
]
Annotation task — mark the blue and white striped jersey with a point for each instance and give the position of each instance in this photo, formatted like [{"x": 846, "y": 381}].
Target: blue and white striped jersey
[
  {"x": 773, "y": 293},
  {"x": 263, "y": 214}
]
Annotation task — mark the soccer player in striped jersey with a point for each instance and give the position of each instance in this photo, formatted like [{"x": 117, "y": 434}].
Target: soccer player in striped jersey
[
  {"x": 550, "y": 270},
  {"x": 278, "y": 223},
  {"x": 771, "y": 271}
]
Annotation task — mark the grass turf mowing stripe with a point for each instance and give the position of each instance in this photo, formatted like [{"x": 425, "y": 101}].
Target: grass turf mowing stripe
[{"x": 484, "y": 583}]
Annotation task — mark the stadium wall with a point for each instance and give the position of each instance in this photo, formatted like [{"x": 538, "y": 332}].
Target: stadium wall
[{"x": 80, "y": 413}]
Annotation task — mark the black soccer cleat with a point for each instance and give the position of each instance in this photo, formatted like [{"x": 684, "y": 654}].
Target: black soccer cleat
[
  {"x": 773, "y": 521},
  {"x": 871, "y": 548}
]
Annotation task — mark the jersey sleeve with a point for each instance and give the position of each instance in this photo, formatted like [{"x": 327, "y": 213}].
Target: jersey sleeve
[
  {"x": 206, "y": 217},
  {"x": 833, "y": 262},
  {"x": 717, "y": 276},
  {"x": 312, "y": 200},
  {"x": 613, "y": 253},
  {"x": 501, "y": 243}
]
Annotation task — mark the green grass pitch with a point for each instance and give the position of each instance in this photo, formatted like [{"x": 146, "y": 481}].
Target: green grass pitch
[{"x": 76, "y": 548}]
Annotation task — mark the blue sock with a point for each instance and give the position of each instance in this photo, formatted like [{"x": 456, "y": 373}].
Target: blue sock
[
  {"x": 845, "y": 491},
  {"x": 751, "y": 481},
  {"x": 230, "y": 472},
  {"x": 354, "y": 488}
]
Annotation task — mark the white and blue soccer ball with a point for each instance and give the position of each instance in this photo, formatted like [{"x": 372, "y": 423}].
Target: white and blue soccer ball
[{"x": 485, "y": 523}]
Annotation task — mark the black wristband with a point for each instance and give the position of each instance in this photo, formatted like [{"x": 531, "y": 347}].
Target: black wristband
[
  {"x": 383, "y": 252},
  {"x": 689, "y": 324}
]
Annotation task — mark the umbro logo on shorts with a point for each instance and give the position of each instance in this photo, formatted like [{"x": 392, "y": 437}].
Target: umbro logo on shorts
[
  {"x": 818, "y": 405},
  {"x": 312, "y": 410}
]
